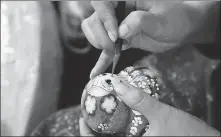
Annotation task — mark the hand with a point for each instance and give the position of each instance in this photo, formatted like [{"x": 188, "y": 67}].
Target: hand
[
  {"x": 84, "y": 129},
  {"x": 101, "y": 30},
  {"x": 156, "y": 26},
  {"x": 164, "y": 120}
]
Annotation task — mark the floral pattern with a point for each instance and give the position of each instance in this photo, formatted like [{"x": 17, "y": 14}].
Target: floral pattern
[
  {"x": 135, "y": 73},
  {"x": 148, "y": 83},
  {"x": 109, "y": 104},
  {"x": 133, "y": 130},
  {"x": 123, "y": 73},
  {"x": 129, "y": 69},
  {"x": 137, "y": 121},
  {"x": 142, "y": 84},
  {"x": 90, "y": 105},
  {"x": 102, "y": 126}
]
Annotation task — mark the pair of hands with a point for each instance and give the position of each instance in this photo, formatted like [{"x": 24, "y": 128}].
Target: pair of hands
[
  {"x": 164, "y": 120},
  {"x": 155, "y": 26}
]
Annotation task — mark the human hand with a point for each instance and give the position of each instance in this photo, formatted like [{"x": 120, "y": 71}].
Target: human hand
[
  {"x": 101, "y": 31},
  {"x": 164, "y": 120},
  {"x": 156, "y": 26},
  {"x": 84, "y": 129}
]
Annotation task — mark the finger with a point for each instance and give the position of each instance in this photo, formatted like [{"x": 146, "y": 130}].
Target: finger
[
  {"x": 81, "y": 9},
  {"x": 96, "y": 33},
  {"x": 140, "y": 21},
  {"x": 147, "y": 43},
  {"x": 87, "y": 27},
  {"x": 103, "y": 63},
  {"x": 84, "y": 129},
  {"x": 126, "y": 45},
  {"x": 106, "y": 13},
  {"x": 139, "y": 100}
]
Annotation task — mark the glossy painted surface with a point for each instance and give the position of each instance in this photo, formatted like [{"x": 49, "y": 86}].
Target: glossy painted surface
[{"x": 105, "y": 112}]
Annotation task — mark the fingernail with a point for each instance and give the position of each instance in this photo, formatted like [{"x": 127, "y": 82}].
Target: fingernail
[
  {"x": 112, "y": 36},
  {"x": 123, "y": 30},
  {"x": 92, "y": 74},
  {"x": 125, "y": 47},
  {"x": 118, "y": 86}
]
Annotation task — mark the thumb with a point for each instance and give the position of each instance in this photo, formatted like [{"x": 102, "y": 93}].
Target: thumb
[
  {"x": 138, "y": 100},
  {"x": 137, "y": 22}
]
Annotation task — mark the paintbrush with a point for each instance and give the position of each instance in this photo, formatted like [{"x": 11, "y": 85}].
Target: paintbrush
[{"x": 120, "y": 14}]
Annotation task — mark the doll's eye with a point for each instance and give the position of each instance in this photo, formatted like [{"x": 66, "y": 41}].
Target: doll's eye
[{"x": 108, "y": 81}]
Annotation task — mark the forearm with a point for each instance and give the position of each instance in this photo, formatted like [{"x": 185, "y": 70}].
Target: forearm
[{"x": 189, "y": 125}]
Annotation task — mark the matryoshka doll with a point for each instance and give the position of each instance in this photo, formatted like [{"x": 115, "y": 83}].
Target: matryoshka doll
[{"x": 106, "y": 113}]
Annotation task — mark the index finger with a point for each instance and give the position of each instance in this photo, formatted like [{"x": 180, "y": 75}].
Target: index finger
[{"x": 103, "y": 63}]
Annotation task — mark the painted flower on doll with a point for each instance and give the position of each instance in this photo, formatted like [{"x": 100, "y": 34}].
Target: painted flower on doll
[
  {"x": 90, "y": 105},
  {"x": 109, "y": 104}
]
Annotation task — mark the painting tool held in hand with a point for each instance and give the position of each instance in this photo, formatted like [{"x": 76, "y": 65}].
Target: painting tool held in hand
[
  {"x": 120, "y": 14},
  {"x": 117, "y": 53}
]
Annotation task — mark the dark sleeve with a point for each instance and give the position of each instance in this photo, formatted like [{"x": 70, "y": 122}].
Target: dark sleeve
[{"x": 218, "y": 31}]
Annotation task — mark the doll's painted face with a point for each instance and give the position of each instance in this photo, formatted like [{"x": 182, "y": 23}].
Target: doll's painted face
[{"x": 100, "y": 85}]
